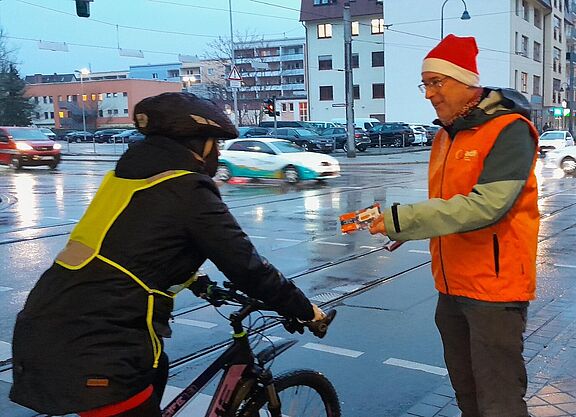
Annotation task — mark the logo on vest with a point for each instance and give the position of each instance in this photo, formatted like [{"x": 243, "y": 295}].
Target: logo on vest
[{"x": 466, "y": 155}]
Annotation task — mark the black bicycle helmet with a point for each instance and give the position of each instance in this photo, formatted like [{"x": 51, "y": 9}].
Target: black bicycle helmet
[{"x": 182, "y": 116}]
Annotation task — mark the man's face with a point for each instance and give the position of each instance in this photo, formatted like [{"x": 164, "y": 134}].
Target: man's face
[{"x": 447, "y": 95}]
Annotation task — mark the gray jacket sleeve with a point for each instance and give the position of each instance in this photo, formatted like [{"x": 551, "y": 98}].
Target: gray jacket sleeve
[{"x": 505, "y": 171}]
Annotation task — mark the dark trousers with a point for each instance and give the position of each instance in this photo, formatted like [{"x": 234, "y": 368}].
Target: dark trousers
[{"x": 483, "y": 352}]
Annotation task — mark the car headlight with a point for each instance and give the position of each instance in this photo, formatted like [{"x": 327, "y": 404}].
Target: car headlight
[
  {"x": 23, "y": 146},
  {"x": 57, "y": 146}
]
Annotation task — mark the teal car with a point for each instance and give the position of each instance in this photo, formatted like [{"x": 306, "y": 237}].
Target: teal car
[{"x": 274, "y": 159}]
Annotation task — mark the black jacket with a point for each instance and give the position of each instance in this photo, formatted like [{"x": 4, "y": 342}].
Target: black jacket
[{"x": 90, "y": 322}]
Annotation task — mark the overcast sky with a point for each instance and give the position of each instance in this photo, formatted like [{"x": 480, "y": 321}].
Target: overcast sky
[{"x": 133, "y": 25}]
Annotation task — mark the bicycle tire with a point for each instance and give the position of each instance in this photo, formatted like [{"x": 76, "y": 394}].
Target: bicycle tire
[{"x": 302, "y": 393}]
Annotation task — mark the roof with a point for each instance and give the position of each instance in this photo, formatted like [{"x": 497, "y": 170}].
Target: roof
[{"x": 333, "y": 10}]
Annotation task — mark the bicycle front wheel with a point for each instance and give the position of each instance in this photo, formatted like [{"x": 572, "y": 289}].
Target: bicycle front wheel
[{"x": 302, "y": 393}]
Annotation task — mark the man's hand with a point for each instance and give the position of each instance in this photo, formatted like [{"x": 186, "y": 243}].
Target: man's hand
[{"x": 378, "y": 226}]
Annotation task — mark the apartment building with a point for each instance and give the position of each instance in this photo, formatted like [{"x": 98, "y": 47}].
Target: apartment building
[
  {"x": 103, "y": 103},
  {"x": 268, "y": 68},
  {"x": 323, "y": 21}
]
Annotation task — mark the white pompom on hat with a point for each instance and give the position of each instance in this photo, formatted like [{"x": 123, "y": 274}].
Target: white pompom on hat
[{"x": 455, "y": 57}]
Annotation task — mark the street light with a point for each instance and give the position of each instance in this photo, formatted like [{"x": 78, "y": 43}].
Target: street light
[
  {"x": 83, "y": 72},
  {"x": 465, "y": 16}
]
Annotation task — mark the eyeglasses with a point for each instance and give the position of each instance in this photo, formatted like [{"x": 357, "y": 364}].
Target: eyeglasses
[{"x": 432, "y": 85}]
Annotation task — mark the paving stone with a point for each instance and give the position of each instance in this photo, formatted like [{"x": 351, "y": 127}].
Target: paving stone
[
  {"x": 423, "y": 410},
  {"x": 557, "y": 398},
  {"x": 546, "y": 411},
  {"x": 436, "y": 400}
]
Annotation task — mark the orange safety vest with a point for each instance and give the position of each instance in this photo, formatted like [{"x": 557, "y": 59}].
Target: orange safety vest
[{"x": 496, "y": 263}]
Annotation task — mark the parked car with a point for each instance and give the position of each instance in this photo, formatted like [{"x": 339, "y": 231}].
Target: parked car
[
  {"x": 307, "y": 139},
  {"x": 340, "y": 138},
  {"x": 273, "y": 158},
  {"x": 365, "y": 123},
  {"x": 319, "y": 127},
  {"x": 79, "y": 136},
  {"x": 51, "y": 135},
  {"x": 564, "y": 158},
  {"x": 105, "y": 135},
  {"x": 431, "y": 133},
  {"x": 283, "y": 123},
  {"x": 420, "y": 138},
  {"x": 554, "y": 139},
  {"x": 251, "y": 131},
  {"x": 391, "y": 134},
  {"x": 27, "y": 146},
  {"x": 134, "y": 137},
  {"x": 123, "y": 136}
]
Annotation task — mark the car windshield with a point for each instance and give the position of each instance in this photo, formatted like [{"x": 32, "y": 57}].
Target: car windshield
[
  {"x": 288, "y": 147},
  {"x": 552, "y": 136},
  {"x": 27, "y": 134},
  {"x": 304, "y": 132}
]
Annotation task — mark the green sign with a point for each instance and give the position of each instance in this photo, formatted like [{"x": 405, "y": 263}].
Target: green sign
[{"x": 558, "y": 112}]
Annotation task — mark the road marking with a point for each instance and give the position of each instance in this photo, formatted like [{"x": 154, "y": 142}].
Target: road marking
[
  {"x": 417, "y": 366},
  {"x": 6, "y": 376},
  {"x": 320, "y": 242},
  {"x": 564, "y": 266},
  {"x": 195, "y": 323},
  {"x": 333, "y": 349},
  {"x": 2, "y": 289},
  {"x": 368, "y": 247},
  {"x": 197, "y": 406},
  {"x": 427, "y": 252},
  {"x": 5, "y": 351},
  {"x": 288, "y": 240},
  {"x": 421, "y": 189},
  {"x": 272, "y": 339},
  {"x": 347, "y": 288},
  {"x": 257, "y": 237}
]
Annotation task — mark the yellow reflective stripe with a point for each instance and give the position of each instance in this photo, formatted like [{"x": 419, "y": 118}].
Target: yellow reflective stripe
[
  {"x": 175, "y": 289},
  {"x": 74, "y": 267},
  {"x": 156, "y": 344},
  {"x": 134, "y": 277}
]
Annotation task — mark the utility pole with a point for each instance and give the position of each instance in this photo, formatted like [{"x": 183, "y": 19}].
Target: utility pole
[
  {"x": 234, "y": 89},
  {"x": 571, "y": 88},
  {"x": 349, "y": 82},
  {"x": 275, "y": 121}
]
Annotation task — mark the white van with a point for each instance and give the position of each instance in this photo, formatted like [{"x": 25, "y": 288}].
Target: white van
[
  {"x": 363, "y": 122},
  {"x": 319, "y": 126}
]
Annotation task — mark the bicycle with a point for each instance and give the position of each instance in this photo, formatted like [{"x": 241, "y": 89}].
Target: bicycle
[{"x": 247, "y": 387}]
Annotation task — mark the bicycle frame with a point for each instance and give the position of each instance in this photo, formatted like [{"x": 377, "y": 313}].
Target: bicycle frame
[{"x": 239, "y": 365}]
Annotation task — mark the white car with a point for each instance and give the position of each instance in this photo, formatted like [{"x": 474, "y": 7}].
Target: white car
[
  {"x": 554, "y": 139},
  {"x": 564, "y": 158},
  {"x": 420, "y": 137},
  {"x": 273, "y": 158}
]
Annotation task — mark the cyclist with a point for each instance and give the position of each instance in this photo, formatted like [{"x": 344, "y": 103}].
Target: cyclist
[{"x": 89, "y": 339}]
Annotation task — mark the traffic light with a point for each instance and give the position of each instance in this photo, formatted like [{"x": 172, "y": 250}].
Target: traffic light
[
  {"x": 269, "y": 107},
  {"x": 83, "y": 8}
]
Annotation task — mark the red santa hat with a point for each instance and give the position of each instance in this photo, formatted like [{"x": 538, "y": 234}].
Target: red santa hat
[{"x": 455, "y": 57}]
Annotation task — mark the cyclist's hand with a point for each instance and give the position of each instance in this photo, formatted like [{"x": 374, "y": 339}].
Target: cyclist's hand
[{"x": 318, "y": 313}]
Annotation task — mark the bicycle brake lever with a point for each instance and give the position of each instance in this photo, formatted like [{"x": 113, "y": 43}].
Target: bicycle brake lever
[{"x": 320, "y": 327}]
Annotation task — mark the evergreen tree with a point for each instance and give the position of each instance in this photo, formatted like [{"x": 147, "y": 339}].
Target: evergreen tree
[{"x": 15, "y": 109}]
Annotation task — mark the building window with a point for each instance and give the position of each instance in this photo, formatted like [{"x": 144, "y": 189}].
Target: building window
[
  {"x": 155, "y": 75},
  {"x": 61, "y": 114},
  {"x": 108, "y": 95},
  {"x": 114, "y": 94},
  {"x": 100, "y": 97},
  {"x": 45, "y": 115},
  {"x": 36, "y": 100},
  {"x": 557, "y": 29},
  {"x": 378, "y": 59},
  {"x": 518, "y": 7},
  {"x": 100, "y": 113},
  {"x": 50, "y": 99},
  {"x": 537, "y": 18},
  {"x": 326, "y": 93},
  {"x": 303, "y": 110},
  {"x": 556, "y": 64},
  {"x": 536, "y": 85},
  {"x": 524, "y": 82},
  {"x": 291, "y": 107},
  {"x": 52, "y": 115},
  {"x": 515, "y": 79},
  {"x": 378, "y": 90},
  {"x": 356, "y": 92},
  {"x": 110, "y": 112},
  {"x": 74, "y": 98},
  {"x": 324, "y": 30},
  {"x": 377, "y": 26},
  {"x": 283, "y": 107},
  {"x": 125, "y": 111},
  {"x": 524, "y": 49},
  {"x": 537, "y": 52},
  {"x": 355, "y": 61},
  {"x": 325, "y": 62},
  {"x": 36, "y": 115},
  {"x": 115, "y": 111},
  {"x": 124, "y": 94},
  {"x": 173, "y": 73},
  {"x": 355, "y": 28},
  {"x": 69, "y": 99},
  {"x": 526, "y": 10},
  {"x": 84, "y": 97},
  {"x": 322, "y": 2},
  {"x": 93, "y": 97},
  {"x": 59, "y": 98},
  {"x": 45, "y": 99}
]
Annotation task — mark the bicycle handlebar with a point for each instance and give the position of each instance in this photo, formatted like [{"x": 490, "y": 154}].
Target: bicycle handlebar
[{"x": 208, "y": 290}]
